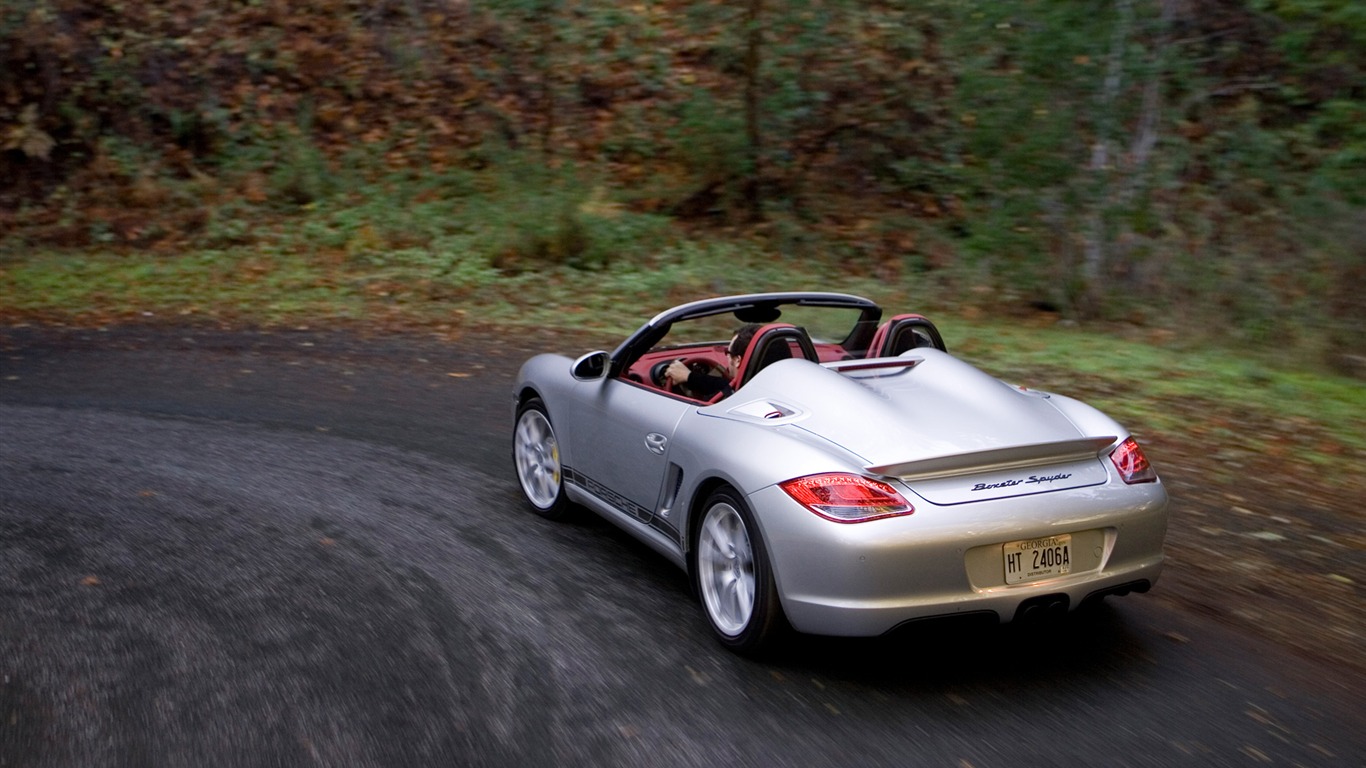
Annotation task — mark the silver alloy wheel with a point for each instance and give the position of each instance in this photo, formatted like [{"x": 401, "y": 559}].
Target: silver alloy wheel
[
  {"x": 538, "y": 458},
  {"x": 725, "y": 561}
]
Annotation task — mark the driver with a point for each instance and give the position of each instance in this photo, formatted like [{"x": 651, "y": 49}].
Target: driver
[{"x": 704, "y": 385}]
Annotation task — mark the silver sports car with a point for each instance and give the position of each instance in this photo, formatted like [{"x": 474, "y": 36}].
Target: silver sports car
[{"x": 814, "y": 466}]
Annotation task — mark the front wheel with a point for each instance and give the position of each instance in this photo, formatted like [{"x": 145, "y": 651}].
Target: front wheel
[
  {"x": 536, "y": 453},
  {"x": 734, "y": 578}
]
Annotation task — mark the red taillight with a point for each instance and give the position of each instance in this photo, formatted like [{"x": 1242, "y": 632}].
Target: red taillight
[
  {"x": 1133, "y": 466},
  {"x": 847, "y": 498}
]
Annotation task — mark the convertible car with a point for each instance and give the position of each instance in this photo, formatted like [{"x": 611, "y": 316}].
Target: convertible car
[{"x": 814, "y": 466}]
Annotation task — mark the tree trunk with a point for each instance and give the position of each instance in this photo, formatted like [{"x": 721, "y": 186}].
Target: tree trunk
[
  {"x": 1116, "y": 180},
  {"x": 753, "y": 135},
  {"x": 545, "y": 65},
  {"x": 1100, "y": 168}
]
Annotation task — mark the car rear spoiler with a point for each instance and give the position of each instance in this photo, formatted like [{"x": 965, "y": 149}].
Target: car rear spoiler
[{"x": 1014, "y": 457}]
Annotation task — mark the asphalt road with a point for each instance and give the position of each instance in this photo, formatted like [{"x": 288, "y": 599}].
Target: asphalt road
[{"x": 304, "y": 548}]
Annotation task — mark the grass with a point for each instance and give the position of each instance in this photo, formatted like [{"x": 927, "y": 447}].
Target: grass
[
  {"x": 266, "y": 285},
  {"x": 1182, "y": 389},
  {"x": 545, "y": 250},
  {"x": 1137, "y": 380}
]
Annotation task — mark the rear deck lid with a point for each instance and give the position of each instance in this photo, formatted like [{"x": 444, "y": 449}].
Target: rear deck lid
[
  {"x": 1000, "y": 473},
  {"x": 953, "y": 433}
]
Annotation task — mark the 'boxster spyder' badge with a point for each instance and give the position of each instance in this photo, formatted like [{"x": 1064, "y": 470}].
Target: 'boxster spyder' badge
[{"x": 1024, "y": 481}]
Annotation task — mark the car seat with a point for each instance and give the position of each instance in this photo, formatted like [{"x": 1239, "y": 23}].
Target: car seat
[
  {"x": 771, "y": 343},
  {"x": 903, "y": 333}
]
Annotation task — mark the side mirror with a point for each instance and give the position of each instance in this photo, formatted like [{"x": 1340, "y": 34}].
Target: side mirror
[{"x": 591, "y": 367}]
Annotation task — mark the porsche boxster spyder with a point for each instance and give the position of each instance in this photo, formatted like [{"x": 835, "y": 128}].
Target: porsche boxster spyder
[{"x": 815, "y": 466}]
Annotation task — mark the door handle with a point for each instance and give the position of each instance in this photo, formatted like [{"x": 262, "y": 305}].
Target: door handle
[{"x": 655, "y": 442}]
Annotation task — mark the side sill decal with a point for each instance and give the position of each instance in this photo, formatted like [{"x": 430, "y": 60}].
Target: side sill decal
[{"x": 621, "y": 503}]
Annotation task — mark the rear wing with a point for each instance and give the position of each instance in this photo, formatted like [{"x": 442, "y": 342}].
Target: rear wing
[{"x": 996, "y": 459}]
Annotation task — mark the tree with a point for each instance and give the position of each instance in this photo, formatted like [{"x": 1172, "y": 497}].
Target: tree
[
  {"x": 1116, "y": 178},
  {"x": 754, "y": 42}
]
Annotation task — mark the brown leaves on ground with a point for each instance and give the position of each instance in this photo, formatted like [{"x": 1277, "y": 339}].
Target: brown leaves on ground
[{"x": 1261, "y": 536}]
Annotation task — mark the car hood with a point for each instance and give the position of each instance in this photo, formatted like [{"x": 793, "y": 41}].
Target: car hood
[{"x": 951, "y": 431}]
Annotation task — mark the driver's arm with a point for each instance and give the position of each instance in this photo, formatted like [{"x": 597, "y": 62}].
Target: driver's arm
[
  {"x": 700, "y": 383},
  {"x": 677, "y": 373}
]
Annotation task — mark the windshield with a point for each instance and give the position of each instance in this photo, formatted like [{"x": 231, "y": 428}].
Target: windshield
[{"x": 825, "y": 326}]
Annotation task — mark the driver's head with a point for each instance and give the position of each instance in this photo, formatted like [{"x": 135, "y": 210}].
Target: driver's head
[{"x": 735, "y": 350}]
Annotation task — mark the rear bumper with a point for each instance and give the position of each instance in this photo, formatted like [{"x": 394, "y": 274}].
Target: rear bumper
[
  {"x": 867, "y": 579},
  {"x": 869, "y": 618}
]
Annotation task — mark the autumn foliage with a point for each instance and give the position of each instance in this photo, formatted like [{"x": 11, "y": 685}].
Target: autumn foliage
[{"x": 1091, "y": 157}]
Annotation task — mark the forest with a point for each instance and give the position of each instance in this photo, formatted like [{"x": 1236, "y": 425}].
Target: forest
[{"x": 1193, "y": 165}]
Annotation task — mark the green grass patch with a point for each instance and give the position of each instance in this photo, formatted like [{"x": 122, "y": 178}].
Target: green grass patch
[
  {"x": 239, "y": 285},
  {"x": 533, "y": 247},
  {"x": 1171, "y": 387},
  {"x": 1219, "y": 397}
]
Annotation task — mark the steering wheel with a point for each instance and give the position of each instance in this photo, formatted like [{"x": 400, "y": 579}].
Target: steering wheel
[
  {"x": 695, "y": 364},
  {"x": 657, "y": 375}
]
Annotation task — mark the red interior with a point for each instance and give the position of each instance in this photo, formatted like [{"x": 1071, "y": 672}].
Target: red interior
[{"x": 714, "y": 353}]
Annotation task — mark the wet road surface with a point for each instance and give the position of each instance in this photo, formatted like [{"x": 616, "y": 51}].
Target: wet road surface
[{"x": 304, "y": 548}]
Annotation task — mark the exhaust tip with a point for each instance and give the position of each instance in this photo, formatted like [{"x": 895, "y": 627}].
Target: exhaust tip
[{"x": 1042, "y": 608}]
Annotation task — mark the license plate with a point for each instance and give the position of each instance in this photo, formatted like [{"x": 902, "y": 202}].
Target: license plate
[{"x": 1034, "y": 559}]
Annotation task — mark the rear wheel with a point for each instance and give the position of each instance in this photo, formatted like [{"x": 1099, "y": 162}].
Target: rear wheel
[
  {"x": 536, "y": 452},
  {"x": 733, "y": 576}
]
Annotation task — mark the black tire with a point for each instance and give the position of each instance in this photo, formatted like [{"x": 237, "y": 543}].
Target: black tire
[
  {"x": 536, "y": 457},
  {"x": 731, "y": 570}
]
